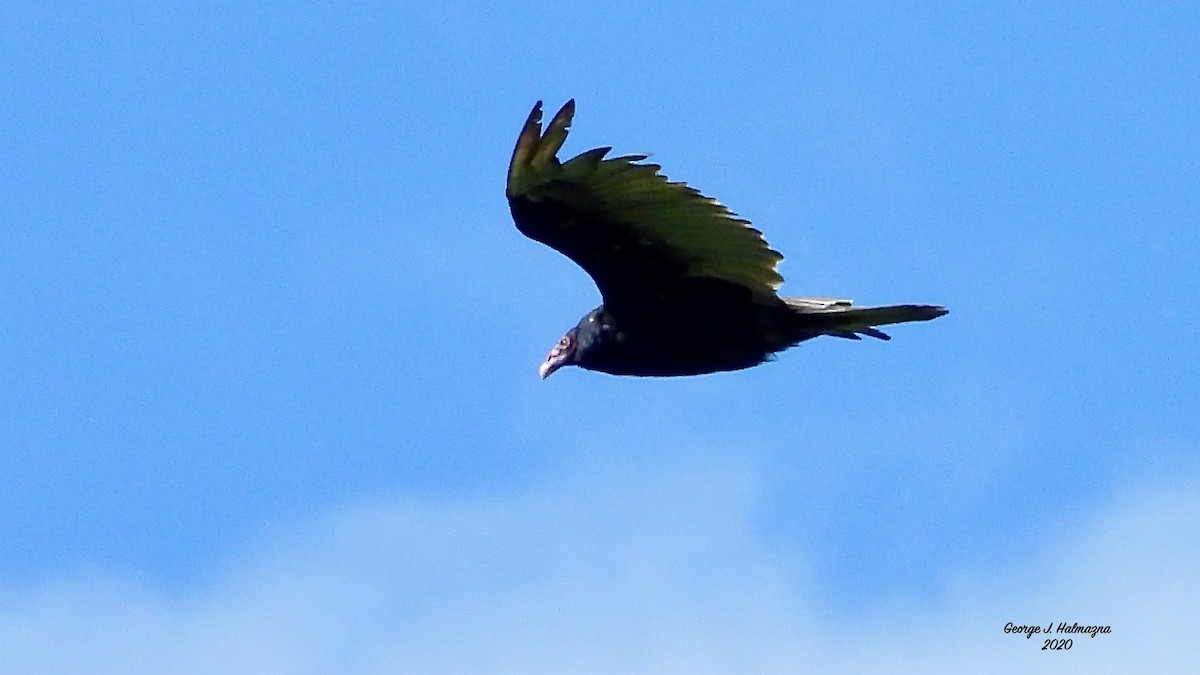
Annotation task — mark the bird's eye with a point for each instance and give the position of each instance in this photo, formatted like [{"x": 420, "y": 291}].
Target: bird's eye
[{"x": 564, "y": 342}]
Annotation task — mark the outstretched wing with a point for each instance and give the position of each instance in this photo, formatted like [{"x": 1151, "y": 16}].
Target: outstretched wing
[{"x": 636, "y": 233}]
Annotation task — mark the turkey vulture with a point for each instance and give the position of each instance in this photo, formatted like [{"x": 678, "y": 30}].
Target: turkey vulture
[{"x": 688, "y": 287}]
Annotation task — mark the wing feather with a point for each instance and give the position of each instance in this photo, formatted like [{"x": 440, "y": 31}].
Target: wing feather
[{"x": 630, "y": 227}]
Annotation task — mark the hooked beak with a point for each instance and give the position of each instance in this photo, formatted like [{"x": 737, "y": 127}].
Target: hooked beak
[
  {"x": 562, "y": 354},
  {"x": 549, "y": 366}
]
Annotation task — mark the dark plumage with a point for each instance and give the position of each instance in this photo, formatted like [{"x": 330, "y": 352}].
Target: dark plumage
[{"x": 688, "y": 287}]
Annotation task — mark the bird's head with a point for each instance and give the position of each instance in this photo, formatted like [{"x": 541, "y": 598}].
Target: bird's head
[{"x": 563, "y": 354}]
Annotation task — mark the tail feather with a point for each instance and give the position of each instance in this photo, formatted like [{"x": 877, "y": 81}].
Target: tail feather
[{"x": 827, "y": 316}]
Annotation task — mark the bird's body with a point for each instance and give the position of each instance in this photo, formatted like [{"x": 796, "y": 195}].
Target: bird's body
[
  {"x": 732, "y": 337},
  {"x": 688, "y": 287}
]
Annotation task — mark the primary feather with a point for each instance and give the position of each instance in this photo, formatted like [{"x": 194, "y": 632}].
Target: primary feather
[{"x": 620, "y": 217}]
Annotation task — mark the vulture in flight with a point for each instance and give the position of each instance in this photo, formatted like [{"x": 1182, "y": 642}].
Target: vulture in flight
[{"x": 688, "y": 287}]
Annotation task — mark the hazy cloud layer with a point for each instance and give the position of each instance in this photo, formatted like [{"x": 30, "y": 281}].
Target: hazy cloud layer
[{"x": 616, "y": 571}]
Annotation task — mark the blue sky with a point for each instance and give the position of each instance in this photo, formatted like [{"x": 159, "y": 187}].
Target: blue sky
[{"x": 270, "y": 341}]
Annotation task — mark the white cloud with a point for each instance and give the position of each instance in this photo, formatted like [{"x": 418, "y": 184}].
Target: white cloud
[{"x": 614, "y": 572}]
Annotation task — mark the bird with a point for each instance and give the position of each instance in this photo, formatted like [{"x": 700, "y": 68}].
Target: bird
[{"x": 687, "y": 286}]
